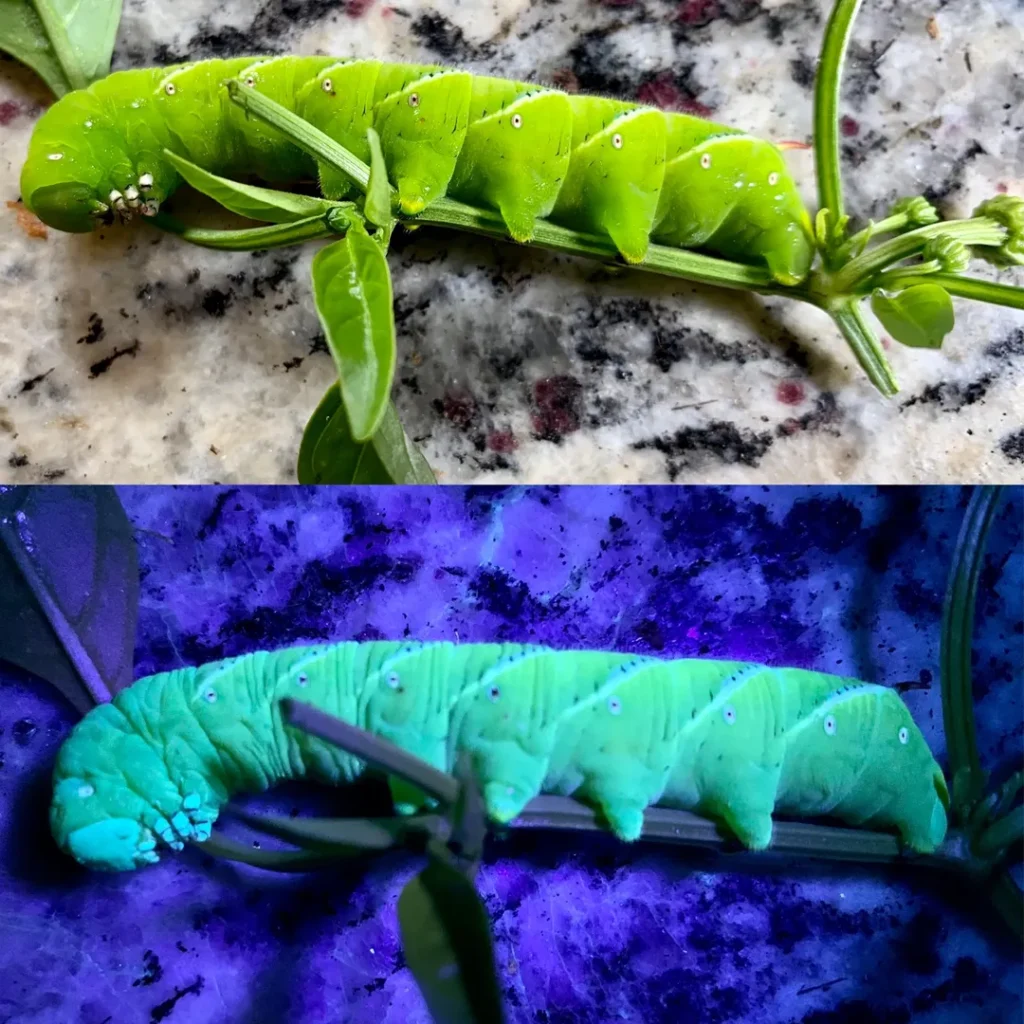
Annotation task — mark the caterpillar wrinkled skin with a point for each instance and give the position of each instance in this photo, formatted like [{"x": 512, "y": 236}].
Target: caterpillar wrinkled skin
[
  {"x": 631, "y": 173},
  {"x": 732, "y": 740}
]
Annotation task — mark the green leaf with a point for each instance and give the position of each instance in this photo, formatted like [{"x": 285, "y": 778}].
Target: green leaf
[
  {"x": 69, "y": 589},
  {"x": 447, "y": 941},
  {"x": 919, "y": 316},
  {"x": 330, "y": 455},
  {"x": 378, "y": 192},
  {"x": 352, "y": 289},
  {"x": 67, "y": 43},
  {"x": 265, "y": 204}
]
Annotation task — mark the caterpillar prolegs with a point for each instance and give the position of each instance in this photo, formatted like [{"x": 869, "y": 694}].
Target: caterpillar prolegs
[
  {"x": 732, "y": 740},
  {"x": 627, "y": 172}
]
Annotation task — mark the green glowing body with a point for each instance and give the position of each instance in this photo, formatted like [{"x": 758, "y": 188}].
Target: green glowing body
[
  {"x": 627, "y": 172},
  {"x": 731, "y": 740}
]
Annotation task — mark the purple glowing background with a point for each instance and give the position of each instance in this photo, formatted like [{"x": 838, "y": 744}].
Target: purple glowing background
[{"x": 586, "y": 930}]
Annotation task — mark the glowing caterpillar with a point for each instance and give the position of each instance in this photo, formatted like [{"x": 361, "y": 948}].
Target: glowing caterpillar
[
  {"x": 632, "y": 173},
  {"x": 735, "y": 741}
]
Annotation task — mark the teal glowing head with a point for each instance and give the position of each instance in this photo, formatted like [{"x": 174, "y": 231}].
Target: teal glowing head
[{"x": 95, "y": 816}]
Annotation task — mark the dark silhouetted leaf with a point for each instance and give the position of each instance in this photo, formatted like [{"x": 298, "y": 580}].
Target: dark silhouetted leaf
[
  {"x": 447, "y": 941},
  {"x": 69, "y": 589}
]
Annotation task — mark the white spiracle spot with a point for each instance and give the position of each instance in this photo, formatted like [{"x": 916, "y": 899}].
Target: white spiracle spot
[
  {"x": 55, "y": 156},
  {"x": 327, "y": 85},
  {"x": 393, "y": 680},
  {"x": 210, "y": 696},
  {"x": 904, "y": 735},
  {"x": 494, "y": 693},
  {"x": 88, "y": 124},
  {"x": 250, "y": 81},
  {"x": 615, "y": 705},
  {"x": 136, "y": 104},
  {"x": 617, "y": 140},
  {"x": 773, "y": 178},
  {"x": 170, "y": 89},
  {"x": 517, "y": 121},
  {"x": 303, "y": 679},
  {"x": 830, "y": 725},
  {"x": 729, "y": 715},
  {"x": 414, "y": 99},
  {"x": 705, "y": 160},
  {"x": 86, "y": 791}
]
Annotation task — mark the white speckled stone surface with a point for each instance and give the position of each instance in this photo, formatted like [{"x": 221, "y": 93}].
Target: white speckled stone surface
[{"x": 132, "y": 356}]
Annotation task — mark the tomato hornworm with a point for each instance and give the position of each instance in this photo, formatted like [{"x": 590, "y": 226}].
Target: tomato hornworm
[
  {"x": 732, "y": 740},
  {"x": 630, "y": 173}
]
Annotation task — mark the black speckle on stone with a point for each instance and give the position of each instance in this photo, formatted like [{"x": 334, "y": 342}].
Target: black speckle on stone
[
  {"x": 95, "y": 331},
  {"x": 1011, "y": 345},
  {"x": 801, "y": 70},
  {"x": 719, "y": 441},
  {"x": 951, "y": 396},
  {"x": 954, "y": 179},
  {"x": 444, "y": 38},
  {"x": 17, "y": 461},
  {"x": 23, "y": 731},
  {"x": 152, "y": 972},
  {"x": 650, "y": 632},
  {"x": 33, "y": 382},
  {"x": 163, "y": 1010},
  {"x": 919, "y": 943},
  {"x": 213, "y": 519},
  {"x": 216, "y": 302},
  {"x": 498, "y": 592},
  {"x": 101, "y": 366},
  {"x": 1012, "y": 446}
]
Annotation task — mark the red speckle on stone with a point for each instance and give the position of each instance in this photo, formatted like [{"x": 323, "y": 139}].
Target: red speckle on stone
[
  {"x": 663, "y": 92},
  {"x": 387, "y": 12},
  {"x": 459, "y": 407},
  {"x": 357, "y": 8},
  {"x": 790, "y": 426},
  {"x": 502, "y": 441},
  {"x": 1002, "y": 187},
  {"x": 9, "y": 110},
  {"x": 848, "y": 126},
  {"x": 558, "y": 401},
  {"x": 790, "y": 392},
  {"x": 698, "y": 12},
  {"x": 566, "y": 80},
  {"x": 886, "y": 343}
]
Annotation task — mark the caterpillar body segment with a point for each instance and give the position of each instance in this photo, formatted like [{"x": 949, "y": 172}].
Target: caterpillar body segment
[
  {"x": 736, "y": 741},
  {"x": 627, "y": 172}
]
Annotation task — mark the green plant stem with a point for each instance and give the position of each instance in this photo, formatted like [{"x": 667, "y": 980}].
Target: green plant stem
[
  {"x": 300, "y": 132},
  {"x": 1008, "y": 900},
  {"x": 660, "y": 259},
  {"x": 900, "y": 274},
  {"x": 247, "y": 239},
  {"x": 980, "y": 290},
  {"x": 866, "y": 347},
  {"x": 975, "y": 231},
  {"x": 826, "y": 106},
  {"x": 955, "y": 647},
  {"x": 857, "y": 242},
  {"x": 1001, "y": 833}
]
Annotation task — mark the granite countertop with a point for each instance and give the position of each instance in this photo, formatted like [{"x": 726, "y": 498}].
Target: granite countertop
[{"x": 132, "y": 356}]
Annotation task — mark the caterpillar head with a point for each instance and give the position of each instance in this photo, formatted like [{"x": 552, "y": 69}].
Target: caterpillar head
[
  {"x": 78, "y": 175},
  {"x": 95, "y": 816}
]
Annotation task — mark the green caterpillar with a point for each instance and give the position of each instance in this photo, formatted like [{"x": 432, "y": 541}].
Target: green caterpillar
[
  {"x": 623, "y": 171},
  {"x": 732, "y": 740}
]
